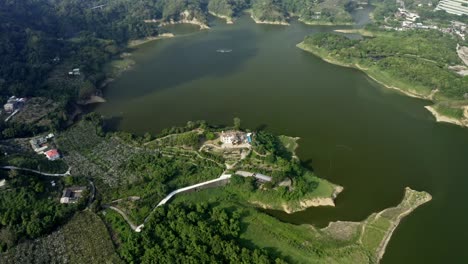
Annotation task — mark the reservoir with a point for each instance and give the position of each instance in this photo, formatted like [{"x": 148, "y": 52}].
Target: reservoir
[{"x": 371, "y": 140}]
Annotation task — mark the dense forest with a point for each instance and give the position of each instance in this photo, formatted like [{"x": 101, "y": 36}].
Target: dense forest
[
  {"x": 191, "y": 234},
  {"x": 29, "y": 209}
]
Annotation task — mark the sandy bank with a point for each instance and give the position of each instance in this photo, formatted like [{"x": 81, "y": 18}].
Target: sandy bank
[
  {"x": 303, "y": 204},
  {"x": 259, "y": 21},
  {"x": 229, "y": 20},
  {"x": 193, "y": 21},
  {"x": 138, "y": 42},
  {"x": 93, "y": 99},
  {"x": 441, "y": 118}
]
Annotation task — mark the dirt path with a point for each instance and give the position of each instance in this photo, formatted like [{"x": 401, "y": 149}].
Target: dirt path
[{"x": 130, "y": 223}]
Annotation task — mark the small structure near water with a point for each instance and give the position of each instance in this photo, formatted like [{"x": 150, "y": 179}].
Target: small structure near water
[{"x": 235, "y": 137}]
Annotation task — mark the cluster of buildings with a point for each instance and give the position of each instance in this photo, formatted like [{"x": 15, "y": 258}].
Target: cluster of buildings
[
  {"x": 457, "y": 28},
  {"x": 40, "y": 146},
  {"x": 14, "y": 104},
  {"x": 407, "y": 15},
  {"x": 236, "y": 137}
]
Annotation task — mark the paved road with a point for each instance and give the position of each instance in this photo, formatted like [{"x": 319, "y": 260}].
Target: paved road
[
  {"x": 223, "y": 177},
  {"x": 67, "y": 173}
]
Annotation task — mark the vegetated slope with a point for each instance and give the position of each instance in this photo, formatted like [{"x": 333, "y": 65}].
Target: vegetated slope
[
  {"x": 41, "y": 41},
  {"x": 82, "y": 240},
  {"x": 29, "y": 207},
  {"x": 414, "y": 61}
]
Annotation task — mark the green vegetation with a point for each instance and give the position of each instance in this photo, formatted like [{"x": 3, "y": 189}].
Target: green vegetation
[
  {"x": 37, "y": 54},
  {"x": 29, "y": 207},
  {"x": 84, "y": 239},
  {"x": 340, "y": 242},
  {"x": 228, "y": 8},
  {"x": 189, "y": 233},
  {"x": 220, "y": 224},
  {"x": 413, "y": 61},
  {"x": 305, "y": 191},
  {"x": 449, "y": 110}
]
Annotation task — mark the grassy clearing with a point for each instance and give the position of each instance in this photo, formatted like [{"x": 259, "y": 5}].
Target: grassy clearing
[
  {"x": 449, "y": 111},
  {"x": 290, "y": 143}
]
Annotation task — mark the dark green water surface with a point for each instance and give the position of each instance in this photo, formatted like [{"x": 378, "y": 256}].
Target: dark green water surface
[{"x": 371, "y": 140}]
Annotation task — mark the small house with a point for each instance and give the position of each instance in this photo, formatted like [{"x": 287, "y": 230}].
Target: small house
[
  {"x": 39, "y": 144},
  {"x": 72, "y": 195},
  {"x": 52, "y": 154},
  {"x": 10, "y": 107}
]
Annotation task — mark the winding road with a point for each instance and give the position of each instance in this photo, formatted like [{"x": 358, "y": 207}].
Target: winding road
[{"x": 67, "y": 173}]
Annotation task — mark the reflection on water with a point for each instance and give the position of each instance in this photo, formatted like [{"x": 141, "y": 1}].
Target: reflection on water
[{"x": 355, "y": 133}]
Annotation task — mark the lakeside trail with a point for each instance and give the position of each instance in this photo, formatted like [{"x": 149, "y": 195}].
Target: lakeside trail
[
  {"x": 439, "y": 117},
  {"x": 409, "y": 195},
  {"x": 374, "y": 228}
]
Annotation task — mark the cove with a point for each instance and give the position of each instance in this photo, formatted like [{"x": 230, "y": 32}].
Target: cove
[{"x": 354, "y": 132}]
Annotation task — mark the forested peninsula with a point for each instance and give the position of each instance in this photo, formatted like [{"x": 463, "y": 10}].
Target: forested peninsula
[{"x": 221, "y": 217}]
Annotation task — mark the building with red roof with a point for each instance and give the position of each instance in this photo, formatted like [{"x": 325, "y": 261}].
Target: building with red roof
[{"x": 52, "y": 154}]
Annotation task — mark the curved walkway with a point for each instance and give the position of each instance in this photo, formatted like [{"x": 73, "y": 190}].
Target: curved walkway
[
  {"x": 130, "y": 223},
  {"x": 223, "y": 177},
  {"x": 67, "y": 173}
]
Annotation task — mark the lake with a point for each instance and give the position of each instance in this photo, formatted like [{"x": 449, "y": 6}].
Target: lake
[{"x": 355, "y": 133}]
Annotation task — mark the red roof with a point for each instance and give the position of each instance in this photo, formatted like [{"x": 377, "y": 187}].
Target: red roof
[{"x": 52, "y": 153}]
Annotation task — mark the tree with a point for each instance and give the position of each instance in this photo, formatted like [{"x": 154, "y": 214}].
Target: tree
[{"x": 237, "y": 123}]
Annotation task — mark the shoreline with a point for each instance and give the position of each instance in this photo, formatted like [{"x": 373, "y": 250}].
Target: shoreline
[
  {"x": 268, "y": 22},
  {"x": 138, "y": 42},
  {"x": 408, "y": 192},
  {"x": 304, "y": 204},
  {"x": 323, "y": 23},
  {"x": 110, "y": 77},
  {"x": 229, "y": 20},
  {"x": 445, "y": 119},
  {"x": 438, "y": 116},
  {"x": 194, "y": 21}
]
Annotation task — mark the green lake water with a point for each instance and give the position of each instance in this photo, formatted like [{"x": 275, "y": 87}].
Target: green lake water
[{"x": 369, "y": 139}]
